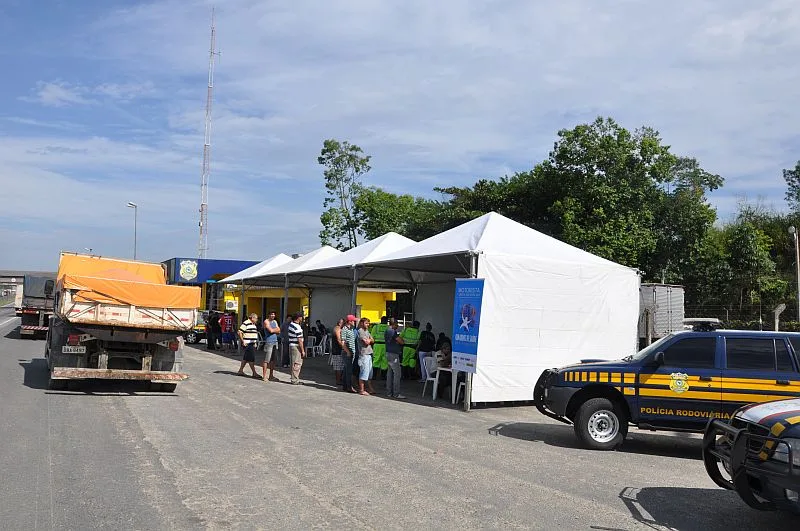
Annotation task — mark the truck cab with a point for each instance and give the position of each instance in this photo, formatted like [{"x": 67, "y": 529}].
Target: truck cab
[{"x": 675, "y": 384}]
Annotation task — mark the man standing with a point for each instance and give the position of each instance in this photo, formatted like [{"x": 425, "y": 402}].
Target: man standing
[
  {"x": 394, "y": 350},
  {"x": 296, "y": 347},
  {"x": 379, "y": 348},
  {"x": 427, "y": 344},
  {"x": 348, "y": 352},
  {"x": 284, "y": 341},
  {"x": 227, "y": 330},
  {"x": 271, "y": 351},
  {"x": 410, "y": 335},
  {"x": 248, "y": 335},
  {"x": 211, "y": 342},
  {"x": 217, "y": 326}
]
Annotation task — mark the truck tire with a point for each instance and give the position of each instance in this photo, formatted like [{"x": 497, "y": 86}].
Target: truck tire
[{"x": 600, "y": 424}]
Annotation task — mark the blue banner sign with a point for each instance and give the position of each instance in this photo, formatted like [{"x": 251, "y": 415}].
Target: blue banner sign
[{"x": 466, "y": 323}]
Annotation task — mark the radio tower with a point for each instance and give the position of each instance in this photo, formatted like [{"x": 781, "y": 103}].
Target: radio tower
[{"x": 202, "y": 248}]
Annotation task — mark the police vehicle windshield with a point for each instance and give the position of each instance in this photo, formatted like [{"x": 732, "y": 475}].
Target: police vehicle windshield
[{"x": 650, "y": 349}]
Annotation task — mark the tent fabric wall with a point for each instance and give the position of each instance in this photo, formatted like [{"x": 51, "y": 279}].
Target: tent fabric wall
[
  {"x": 539, "y": 314},
  {"x": 434, "y": 305},
  {"x": 329, "y": 304}
]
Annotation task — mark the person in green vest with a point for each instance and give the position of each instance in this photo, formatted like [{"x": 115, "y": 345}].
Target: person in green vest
[
  {"x": 379, "y": 360},
  {"x": 410, "y": 336}
]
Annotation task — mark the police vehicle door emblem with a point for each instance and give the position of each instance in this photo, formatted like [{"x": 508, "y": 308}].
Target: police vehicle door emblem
[
  {"x": 188, "y": 270},
  {"x": 679, "y": 382}
]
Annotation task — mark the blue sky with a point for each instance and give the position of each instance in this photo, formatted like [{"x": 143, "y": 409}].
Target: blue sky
[{"x": 102, "y": 103}]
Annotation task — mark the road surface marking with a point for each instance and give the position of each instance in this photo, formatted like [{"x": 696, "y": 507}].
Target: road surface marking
[{"x": 7, "y": 321}]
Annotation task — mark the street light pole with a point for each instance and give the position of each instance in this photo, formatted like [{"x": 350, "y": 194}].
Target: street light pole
[
  {"x": 793, "y": 232},
  {"x": 135, "y": 208}
]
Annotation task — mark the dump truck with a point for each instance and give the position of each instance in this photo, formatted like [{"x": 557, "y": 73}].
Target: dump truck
[
  {"x": 36, "y": 306},
  {"x": 119, "y": 320}
]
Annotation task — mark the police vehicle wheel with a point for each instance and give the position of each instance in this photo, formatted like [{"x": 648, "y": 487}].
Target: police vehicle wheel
[{"x": 600, "y": 425}]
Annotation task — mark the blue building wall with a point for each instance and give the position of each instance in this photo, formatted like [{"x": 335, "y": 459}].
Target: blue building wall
[{"x": 198, "y": 271}]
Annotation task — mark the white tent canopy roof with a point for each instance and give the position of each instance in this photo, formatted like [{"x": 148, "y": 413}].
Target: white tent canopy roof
[
  {"x": 370, "y": 251},
  {"x": 260, "y": 268},
  {"x": 491, "y": 233},
  {"x": 310, "y": 260},
  {"x": 337, "y": 268}
]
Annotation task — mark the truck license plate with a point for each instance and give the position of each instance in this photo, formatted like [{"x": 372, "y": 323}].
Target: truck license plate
[{"x": 66, "y": 349}]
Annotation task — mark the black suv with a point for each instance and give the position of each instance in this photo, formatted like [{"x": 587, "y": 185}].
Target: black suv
[{"x": 676, "y": 384}]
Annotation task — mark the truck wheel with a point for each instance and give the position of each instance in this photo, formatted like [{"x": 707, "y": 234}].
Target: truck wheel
[
  {"x": 600, "y": 424},
  {"x": 168, "y": 387}
]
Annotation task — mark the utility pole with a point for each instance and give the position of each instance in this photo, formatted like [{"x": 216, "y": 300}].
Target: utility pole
[{"x": 202, "y": 248}]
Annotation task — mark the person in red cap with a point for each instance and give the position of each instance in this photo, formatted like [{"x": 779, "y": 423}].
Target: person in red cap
[{"x": 348, "y": 352}]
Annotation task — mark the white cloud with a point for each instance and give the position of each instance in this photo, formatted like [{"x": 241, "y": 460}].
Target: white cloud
[
  {"x": 124, "y": 91},
  {"x": 57, "y": 94},
  {"x": 439, "y": 93}
]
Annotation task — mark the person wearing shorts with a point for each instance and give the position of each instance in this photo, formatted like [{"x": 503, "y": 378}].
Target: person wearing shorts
[
  {"x": 272, "y": 353},
  {"x": 365, "y": 358},
  {"x": 248, "y": 335}
]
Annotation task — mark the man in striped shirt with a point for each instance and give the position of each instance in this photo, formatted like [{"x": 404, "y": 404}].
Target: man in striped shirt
[
  {"x": 296, "y": 347},
  {"x": 248, "y": 335}
]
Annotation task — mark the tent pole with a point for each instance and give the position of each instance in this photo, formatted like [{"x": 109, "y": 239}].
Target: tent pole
[
  {"x": 473, "y": 273},
  {"x": 414, "y": 289},
  {"x": 285, "y": 295},
  {"x": 355, "y": 291},
  {"x": 241, "y": 311}
]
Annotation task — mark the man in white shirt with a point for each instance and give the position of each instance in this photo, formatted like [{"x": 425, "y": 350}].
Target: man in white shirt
[{"x": 296, "y": 347}]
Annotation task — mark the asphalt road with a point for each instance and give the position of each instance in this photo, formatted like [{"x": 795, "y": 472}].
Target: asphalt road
[{"x": 229, "y": 452}]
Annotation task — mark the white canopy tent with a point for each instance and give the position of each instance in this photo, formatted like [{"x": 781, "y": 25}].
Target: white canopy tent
[
  {"x": 259, "y": 269},
  {"x": 332, "y": 277},
  {"x": 545, "y": 303}
]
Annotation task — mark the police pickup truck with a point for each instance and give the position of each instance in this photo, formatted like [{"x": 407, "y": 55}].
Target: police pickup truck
[
  {"x": 759, "y": 450},
  {"x": 675, "y": 384}
]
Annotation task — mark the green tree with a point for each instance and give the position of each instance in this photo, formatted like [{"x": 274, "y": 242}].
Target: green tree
[
  {"x": 708, "y": 278},
  {"x": 749, "y": 259},
  {"x": 682, "y": 218},
  {"x": 345, "y": 164},
  {"x": 792, "y": 178},
  {"x": 378, "y": 212},
  {"x": 619, "y": 194}
]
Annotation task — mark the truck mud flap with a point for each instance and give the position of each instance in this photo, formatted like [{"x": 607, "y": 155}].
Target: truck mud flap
[
  {"x": 71, "y": 373},
  {"x": 538, "y": 399}
]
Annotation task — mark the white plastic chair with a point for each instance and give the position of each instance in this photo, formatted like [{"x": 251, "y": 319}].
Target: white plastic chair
[
  {"x": 460, "y": 391},
  {"x": 318, "y": 349},
  {"x": 325, "y": 347},
  {"x": 310, "y": 348},
  {"x": 432, "y": 368}
]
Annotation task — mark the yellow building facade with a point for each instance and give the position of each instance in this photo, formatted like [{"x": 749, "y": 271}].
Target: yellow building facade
[{"x": 372, "y": 304}]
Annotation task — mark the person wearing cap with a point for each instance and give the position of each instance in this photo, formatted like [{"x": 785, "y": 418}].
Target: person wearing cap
[
  {"x": 394, "y": 350},
  {"x": 348, "y": 352}
]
